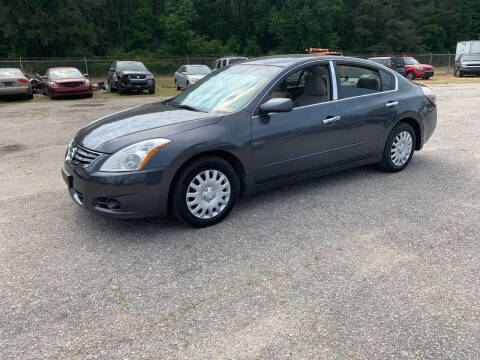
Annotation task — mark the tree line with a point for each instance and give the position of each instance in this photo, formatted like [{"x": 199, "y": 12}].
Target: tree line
[{"x": 162, "y": 28}]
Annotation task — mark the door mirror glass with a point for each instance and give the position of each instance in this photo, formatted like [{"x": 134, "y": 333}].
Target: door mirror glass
[
  {"x": 85, "y": 75},
  {"x": 277, "y": 105}
]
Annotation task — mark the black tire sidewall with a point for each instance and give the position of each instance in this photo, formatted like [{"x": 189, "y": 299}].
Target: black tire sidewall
[
  {"x": 179, "y": 204},
  {"x": 387, "y": 163},
  {"x": 412, "y": 76}
]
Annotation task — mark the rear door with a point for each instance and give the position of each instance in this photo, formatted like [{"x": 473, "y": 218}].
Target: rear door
[{"x": 368, "y": 101}]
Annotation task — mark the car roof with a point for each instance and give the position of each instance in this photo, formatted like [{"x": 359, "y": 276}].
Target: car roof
[{"x": 298, "y": 59}]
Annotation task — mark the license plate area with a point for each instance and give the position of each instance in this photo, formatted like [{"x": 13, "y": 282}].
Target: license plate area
[{"x": 8, "y": 84}]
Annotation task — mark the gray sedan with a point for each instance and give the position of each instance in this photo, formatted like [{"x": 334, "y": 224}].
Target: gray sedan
[
  {"x": 187, "y": 75},
  {"x": 246, "y": 128},
  {"x": 14, "y": 83},
  {"x": 467, "y": 64}
]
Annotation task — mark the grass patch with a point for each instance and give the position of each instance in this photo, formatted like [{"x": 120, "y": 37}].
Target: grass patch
[{"x": 449, "y": 79}]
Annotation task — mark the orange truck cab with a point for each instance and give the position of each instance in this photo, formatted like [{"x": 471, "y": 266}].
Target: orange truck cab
[{"x": 319, "y": 51}]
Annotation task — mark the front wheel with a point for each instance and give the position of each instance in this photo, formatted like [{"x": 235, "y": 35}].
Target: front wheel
[
  {"x": 410, "y": 75},
  {"x": 151, "y": 91},
  {"x": 176, "y": 85},
  {"x": 399, "y": 148},
  {"x": 205, "y": 192}
]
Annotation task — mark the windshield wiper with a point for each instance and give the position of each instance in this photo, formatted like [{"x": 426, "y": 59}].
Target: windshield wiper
[{"x": 186, "y": 107}]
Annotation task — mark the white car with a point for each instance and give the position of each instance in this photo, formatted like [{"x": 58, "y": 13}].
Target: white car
[{"x": 187, "y": 75}]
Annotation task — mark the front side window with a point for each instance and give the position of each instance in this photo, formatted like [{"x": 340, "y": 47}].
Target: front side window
[
  {"x": 228, "y": 90},
  {"x": 357, "y": 80},
  {"x": 308, "y": 86}
]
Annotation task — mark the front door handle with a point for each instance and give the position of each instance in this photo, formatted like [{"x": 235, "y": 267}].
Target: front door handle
[
  {"x": 331, "y": 119},
  {"x": 391, "y": 104}
]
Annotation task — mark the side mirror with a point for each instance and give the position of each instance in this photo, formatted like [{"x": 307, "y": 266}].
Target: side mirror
[
  {"x": 85, "y": 75},
  {"x": 45, "y": 77},
  {"x": 277, "y": 105},
  {"x": 111, "y": 69}
]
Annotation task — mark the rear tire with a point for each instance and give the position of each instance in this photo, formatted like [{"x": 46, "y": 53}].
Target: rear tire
[
  {"x": 399, "y": 148},
  {"x": 205, "y": 192},
  {"x": 411, "y": 75}
]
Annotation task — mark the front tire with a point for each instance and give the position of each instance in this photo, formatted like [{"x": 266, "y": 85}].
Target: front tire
[
  {"x": 151, "y": 91},
  {"x": 205, "y": 192},
  {"x": 411, "y": 75},
  {"x": 176, "y": 85},
  {"x": 399, "y": 148}
]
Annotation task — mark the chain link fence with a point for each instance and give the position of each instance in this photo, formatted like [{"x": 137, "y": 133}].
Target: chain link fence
[{"x": 98, "y": 67}]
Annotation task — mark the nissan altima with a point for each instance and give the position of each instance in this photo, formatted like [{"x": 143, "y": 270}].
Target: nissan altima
[{"x": 261, "y": 123}]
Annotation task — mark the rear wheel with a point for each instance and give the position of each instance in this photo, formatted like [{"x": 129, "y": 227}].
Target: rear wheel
[
  {"x": 205, "y": 192},
  {"x": 399, "y": 148},
  {"x": 411, "y": 75}
]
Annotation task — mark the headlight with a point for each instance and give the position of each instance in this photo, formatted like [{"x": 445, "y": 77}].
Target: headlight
[
  {"x": 149, "y": 76},
  {"x": 134, "y": 157},
  {"x": 420, "y": 68},
  {"x": 87, "y": 82},
  {"x": 52, "y": 84}
]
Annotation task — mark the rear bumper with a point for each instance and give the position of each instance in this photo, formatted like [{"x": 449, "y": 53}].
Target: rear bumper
[
  {"x": 15, "y": 90},
  {"x": 134, "y": 194},
  {"x": 65, "y": 91}
]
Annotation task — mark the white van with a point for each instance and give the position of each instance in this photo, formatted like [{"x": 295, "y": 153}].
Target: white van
[{"x": 467, "y": 47}]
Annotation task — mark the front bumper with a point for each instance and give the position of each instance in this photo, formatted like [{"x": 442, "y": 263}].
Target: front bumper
[
  {"x": 66, "y": 91},
  {"x": 470, "y": 69},
  {"x": 133, "y": 84},
  {"x": 132, "y": 194},
  {"x": 426, "y": 74}
]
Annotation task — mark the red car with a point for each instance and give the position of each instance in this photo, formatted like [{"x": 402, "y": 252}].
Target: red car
[
  {"x": 413, "y": 69},
  {"x": 66, "y": 81}
]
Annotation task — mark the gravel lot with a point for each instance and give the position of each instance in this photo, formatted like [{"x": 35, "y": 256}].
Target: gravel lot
[{"x": 357, "y": 265}]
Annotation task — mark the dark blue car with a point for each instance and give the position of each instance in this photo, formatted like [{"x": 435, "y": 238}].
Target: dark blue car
[{"x": 245, "y": 128}]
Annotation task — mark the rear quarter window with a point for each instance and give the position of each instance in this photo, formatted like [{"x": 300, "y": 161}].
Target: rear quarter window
[{"x": 388, "y": 81}]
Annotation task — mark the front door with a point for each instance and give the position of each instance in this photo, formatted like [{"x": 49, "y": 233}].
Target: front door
[{"x": 304, "y": 139}]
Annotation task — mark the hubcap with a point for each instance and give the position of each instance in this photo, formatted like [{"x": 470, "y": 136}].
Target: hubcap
[
  {"x": 401, "y": 148},
  {"x": 208, "y": 194}
]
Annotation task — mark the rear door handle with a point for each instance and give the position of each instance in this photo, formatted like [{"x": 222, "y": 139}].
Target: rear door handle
[
  {"x": 331, "y": 119},
  {"x": 391, "y": 104}
]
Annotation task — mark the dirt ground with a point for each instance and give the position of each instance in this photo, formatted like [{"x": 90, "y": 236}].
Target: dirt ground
[{"x": 356, "y": 265}]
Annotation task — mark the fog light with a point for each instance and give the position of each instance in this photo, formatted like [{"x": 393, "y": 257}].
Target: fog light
[
  {"x": 149, "y": 82},
  {"x": 113, "y": 204}
]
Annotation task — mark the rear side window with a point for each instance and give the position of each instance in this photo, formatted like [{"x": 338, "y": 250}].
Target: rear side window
[
  {"x": 388, "y": 81},
  {"x": 357, "y": 80}
]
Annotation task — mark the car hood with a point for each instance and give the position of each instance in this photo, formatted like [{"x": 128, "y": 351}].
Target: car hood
[
  {"x": 115, "y": 131},
  {"x": 196, "y": 77},
  {"x": 65, "y": 80},
  {"x": 130, "y": 72}
]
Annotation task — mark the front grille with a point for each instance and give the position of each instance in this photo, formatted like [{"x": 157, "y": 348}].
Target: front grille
[
  {"x": 475, "y": 65},
  {"x": 81, "y": 156},
  {"x": 71, "y": 84},
  {"x": 137, "y": 76}
]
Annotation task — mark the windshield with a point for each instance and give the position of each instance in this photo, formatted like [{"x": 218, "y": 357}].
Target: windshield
[
  {"x": 471, "y": 58},
  {"x": 131, "y": 65},
  {"x": 10, "y": 72},
  {"x": 198, "y": 70},
  {"x": 228, "y": 90},
  {"x": 66, "y": 73},
  {"x": 410, "y": 61}
]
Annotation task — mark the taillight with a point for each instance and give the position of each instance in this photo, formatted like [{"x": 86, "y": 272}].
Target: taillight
[
  {"x": 429, "y": 94},
  {"x": 22, "y": 80}
]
